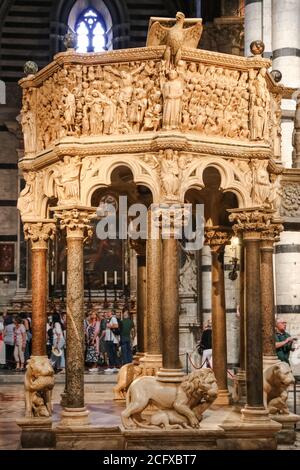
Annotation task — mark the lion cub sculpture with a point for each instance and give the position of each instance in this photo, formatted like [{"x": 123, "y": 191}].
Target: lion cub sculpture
[
  {"x": 39, "y": 382},
  {"x": 180, "y": 405}
]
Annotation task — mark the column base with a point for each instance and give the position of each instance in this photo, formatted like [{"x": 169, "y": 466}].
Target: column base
[
  {"x": 270, "y": 361},
  {"x": 255, "y": 414},
  {"x": 170, "y": 375},
  {"x": 287, "y": 435},
  {"x": 151, "y": 363},
  {"x": 36, "y": 433},
  {"x": 74, "y": 417},
  {"x": 223, "y": 398}
]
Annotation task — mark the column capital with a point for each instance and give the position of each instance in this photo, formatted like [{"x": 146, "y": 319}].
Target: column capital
[
  {"x": 251, "y": 222},
  {"x": 76, "y": 220},
  {"x": 217, "y": 237},
  {"x": 39, "y": 232},
  {"x": 271, "y": 234}
]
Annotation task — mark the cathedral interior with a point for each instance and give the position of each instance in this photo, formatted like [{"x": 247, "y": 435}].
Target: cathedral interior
[{"x": 155, "y": 108}]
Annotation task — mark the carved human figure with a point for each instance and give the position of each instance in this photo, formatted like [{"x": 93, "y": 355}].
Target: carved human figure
[
  {"x": 28, "y": 122},
  {"x": 172, "y": 91},
  {"x": 261, "y": 182},
  {"x": 96, "y": 112},
  {"x": 275, "y": 194},
  {"x": 170, "y": 172},
  {"x": 126, "y": 90},
  {"x": 66, "y": 177},
  {"x": 69, "y": 109},
  {"x": 26, "y": 198},
  {"x": 258, "y": 120}
]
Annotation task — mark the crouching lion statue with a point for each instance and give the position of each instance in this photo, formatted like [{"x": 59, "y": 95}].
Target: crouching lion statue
[
  {"x": 277, "y": 380},
  {"x": 39, "y": 382},
  {"x": 180, "y": 405}
]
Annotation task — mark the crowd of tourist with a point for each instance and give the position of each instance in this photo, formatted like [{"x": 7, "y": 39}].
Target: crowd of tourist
[
  {"x": 109, "y": 340},
  {"x": 15, "y": 341}
]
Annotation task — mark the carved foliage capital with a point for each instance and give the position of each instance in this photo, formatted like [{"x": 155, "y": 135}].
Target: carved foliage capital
[
  {"x": 217, "y": 238},
  {"x": 251, "y": 222},
  {"x": 39, "y": 233},
  {"x": 272, "y": 233},
  {"x": 77, "y": 222}
]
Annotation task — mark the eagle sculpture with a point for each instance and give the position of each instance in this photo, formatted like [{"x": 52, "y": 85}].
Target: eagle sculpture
[{"x": 174, "y": 37}]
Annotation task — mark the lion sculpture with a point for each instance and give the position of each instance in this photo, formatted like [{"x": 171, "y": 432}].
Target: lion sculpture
[
  {"x": 277, "y": 380},
  {"x": 180, "y": 405},
  {"x": 39, "y": 382},
  {"x": 127, "y": 374}
]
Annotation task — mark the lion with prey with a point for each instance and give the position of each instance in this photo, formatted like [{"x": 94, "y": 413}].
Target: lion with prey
[{"x": 180, "y": 405}]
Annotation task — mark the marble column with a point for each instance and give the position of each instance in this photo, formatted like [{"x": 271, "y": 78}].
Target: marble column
[
  {"x": 250, "y": 222},
  {"x": 171, "y": 370},
  {"x": 286, "y": 40},
  {"x": 267, "y": 293},
  {"x": 36, "y": 430},
  {"x": 39, "y": 233},
  {"x": 141, "y": 303},
  {"x": 242, "y": 309},
  {"x": 77, "y": 224},
  {"x": 253, "y": 23},
  {"x": 140, "y": 248},
  {"x": 152, "y": 360},
  {"x": 217, "y": 240},
  {"x": 239, "y": 392}
]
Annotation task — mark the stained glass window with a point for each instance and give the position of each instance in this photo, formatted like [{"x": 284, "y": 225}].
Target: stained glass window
[{"x": 90, "y": 29}]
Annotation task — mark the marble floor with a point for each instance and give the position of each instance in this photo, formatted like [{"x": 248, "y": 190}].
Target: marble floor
[{"x": 98, "y": 394}]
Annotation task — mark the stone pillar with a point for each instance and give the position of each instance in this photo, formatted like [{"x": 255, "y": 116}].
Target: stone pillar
[
  {"x": 286, "y": 40},
  {"x": 239, "y": 392},
  {"x": 253, "y": 23},
  {"x": 251, "y": 222},
  {"x": 140, "y": 249},
  {"x": 171, "y": 370},
  {"x": 242, "y": 309},
  {"x": 267, "y": 293},
  {"x": 287, "y": 267},
  {"x": 152, "y": 360},
  {"x": 217, "y": 240},
  {"x": 77, "y": 224},
  {"x": 39, "y": 233},
  {"x": 36, "y": 428}
]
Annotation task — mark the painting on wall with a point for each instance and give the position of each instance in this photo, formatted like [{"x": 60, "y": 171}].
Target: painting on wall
[{"x": 7, "y": 258}]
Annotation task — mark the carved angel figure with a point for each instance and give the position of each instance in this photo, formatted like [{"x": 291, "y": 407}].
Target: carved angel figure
[{"x": 174, "y": 37}]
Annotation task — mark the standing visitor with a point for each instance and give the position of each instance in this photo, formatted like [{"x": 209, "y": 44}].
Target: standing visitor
[
  {"x": 127, "y": 335},
  {"x": 284, "y": 343},
  {"x": 205, "y": 345},
  {"x": 20, "y": 344},
  {"x": 8, "y": 338},
  {"x": 92, "y": 341},
  {"x": 111, "y": 342}
]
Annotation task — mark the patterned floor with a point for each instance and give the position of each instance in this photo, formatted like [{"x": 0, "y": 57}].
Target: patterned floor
[
  {"x": 103, "y": 410},
  {"x": 98, "y": 394}
]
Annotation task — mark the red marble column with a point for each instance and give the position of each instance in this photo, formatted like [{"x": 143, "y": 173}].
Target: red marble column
[{"x": 39, "y": 233}]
